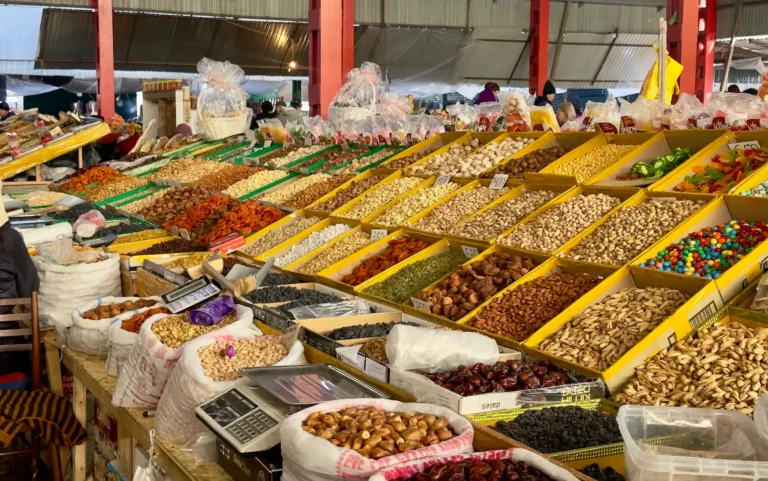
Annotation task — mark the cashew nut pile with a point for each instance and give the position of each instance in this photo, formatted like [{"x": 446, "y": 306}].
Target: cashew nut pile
[
  {"x": 375, "y": 433},
  {"x": 173, "y": 331},
  {"x": 606, "y": 330},
  {"x": 632, "y": 230},
  {"x": 220, "y": 366},
  {"x": 465, "y": 163},
  {"x": 551, "y": 229},
  {"x": 723, "y": 367},
  {"x": 493, "y": 222},
  {"x": 375, "y": 199},
  {"x": 413, "y": 204},
  {"x": 295, "y": 155}
]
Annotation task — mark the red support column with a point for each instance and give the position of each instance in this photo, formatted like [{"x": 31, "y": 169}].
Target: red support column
[
  {"x": 105, "y": 60},
  {"x": 705, "y": 49},
  {"x": 682, "y": 39},
  {"x": 331, "y": 50},
  {"x": 539, "y": 48}
]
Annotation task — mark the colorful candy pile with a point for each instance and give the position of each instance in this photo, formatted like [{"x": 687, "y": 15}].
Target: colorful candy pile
[
  {"x": 711, "y": 251},
  {"x": 760, "y": 190},
  {"x": 724, "y": 172}
]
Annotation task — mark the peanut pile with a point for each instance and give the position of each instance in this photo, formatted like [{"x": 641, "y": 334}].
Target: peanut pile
[
  {"x": 723, "y": 367},
  {"x": 553, "y": 228},
  {"x": 498, "y": 219},
  {"x": 413, "y": 204},
  {"x": 173, "y": 331},
  {"x": 119, "y": 185},
  {"x": 630, "y": 231},
  {"x": 340, "y": 250},
  {"x": 606, "y": 330},
  {"x": 254, "y": 182},
  {"x": 374, "y": 200},
  {"x": 445, "y": 216},
  {"x": 220, "y": 366},
  {"x": 375, "y": 433},
  {"x": 279, "y": 235},
  {"x": 40, "y": 198}
]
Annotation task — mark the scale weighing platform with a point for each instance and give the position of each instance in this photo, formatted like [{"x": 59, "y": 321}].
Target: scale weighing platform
[{"x": 247, "y": 419}]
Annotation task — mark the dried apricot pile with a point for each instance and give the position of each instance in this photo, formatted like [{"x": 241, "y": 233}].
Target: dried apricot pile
[
  {"x": 101, "y": 174},
  {"x": 244, "y": 219},
  {"x": 397, "y": 251},
  {"x": 134, "y": 324},
  {"x": 198, "y": 213}
]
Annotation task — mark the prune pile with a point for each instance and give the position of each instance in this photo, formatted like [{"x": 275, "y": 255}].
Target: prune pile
[
  {"x": 72, "y": 214},
  {"x": 271, "y": 295},
  {"x": 512, "y": 375},
  {"x": 608, "y": 474},
  {"x": 496, "y": 470},
  {"x": 360, "y": 331},
  {"x": 175, "y": 246},
  {"x": 124, "y": 228},
  {"x": 558, "y": 429}
]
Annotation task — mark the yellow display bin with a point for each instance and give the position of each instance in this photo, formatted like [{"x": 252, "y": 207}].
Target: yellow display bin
[
  {"x": 368, "y": 173},
  {"x": 433, "y": 143},
  {"x": 484, "y": 138},
  {"x": 284, "y": 222},
  {"x": 342, "y": 211}
]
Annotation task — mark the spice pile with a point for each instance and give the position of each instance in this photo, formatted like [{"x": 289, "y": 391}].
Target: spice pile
[
  {"x": 397, "y": 251},
  {"x": 469, "y": 286},
  {"x": 597, "y": 337},
  {"x": 411, "y": 279},
  {"x": 558, "y": 429},
  {"x": 711, "y": 251}
]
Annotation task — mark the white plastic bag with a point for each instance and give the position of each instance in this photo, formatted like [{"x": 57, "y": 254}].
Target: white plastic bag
[
  {"x": 411, "y": 468},
  {"x": 189, "y": 387},
  {"x": 64, "y": 288},
  {"x": 435, "y": 350},
  {"x": 310, "y": 458},
  {"x": 150, "y": 363},
  {"x": 90, "y": 336}
]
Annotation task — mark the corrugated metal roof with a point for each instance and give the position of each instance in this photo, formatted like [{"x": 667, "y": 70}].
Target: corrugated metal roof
[
  {"x": 447, "y": 13},
  {"x": 587, "y": 17},
  {"x": 148, "y": 42},
  {"x": 752, "y": 21},
  {"x": 512, "y": 14}
]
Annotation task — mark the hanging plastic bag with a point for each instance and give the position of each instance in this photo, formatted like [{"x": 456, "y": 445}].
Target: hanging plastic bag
[
  {"x": 221, "y": 104},
  {"x": 394, "y": 106},
  {"x": 636, "y": 116},
  {"x": 463, "y": 116},
  {"x": 517, "y": 115},
  {"x": 487, "y": 116},
  {"x": 650, "y": 88},
  {"x": 543, "y": 118},
  {"x": 357, "y": 98},
  {"x": 604, "y": 116}
]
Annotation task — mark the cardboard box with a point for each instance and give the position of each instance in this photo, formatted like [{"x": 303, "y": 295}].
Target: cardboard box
[
  {"x": 663, "y": 143},
  {"x": 426, "y": 391},
  {"x": 721, "y": 210},
  {"x": 705, "y": 300}
]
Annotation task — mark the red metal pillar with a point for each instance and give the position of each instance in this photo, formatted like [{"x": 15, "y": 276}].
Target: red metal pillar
[
  {"x": 539, "y": 49},
  {"x": 331, "y": 50},
  {"x": 105, "y": 60},
  {"x": 705, "y": 49},
  {"x": 682, "y": 38}
]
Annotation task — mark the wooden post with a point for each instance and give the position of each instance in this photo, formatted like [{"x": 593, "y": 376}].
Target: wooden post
[
  {"x": 724, "y": 82},
  {"x": 79, "y": 399}
]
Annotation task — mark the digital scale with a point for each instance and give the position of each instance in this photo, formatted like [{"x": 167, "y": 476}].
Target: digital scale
[
  {"x": 248, "y": 418},
  {"x": 190, "y": 294},
  {"x": 97, "y": 242}
]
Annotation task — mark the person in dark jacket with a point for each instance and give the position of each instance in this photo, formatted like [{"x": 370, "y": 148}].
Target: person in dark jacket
[
  {"x": 267, "y": 112},
  {"x": 489, "y": 94},
  {"x": 547, "y": 96},
  {"x": 5, "y": 111},
  {"x": 18, "y": 278}
]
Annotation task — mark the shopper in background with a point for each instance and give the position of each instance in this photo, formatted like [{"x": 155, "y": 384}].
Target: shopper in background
[
  {"x": 267, "y": 111},
  {"x": 750, "y": 91},
  {"x": 5, "y": 111},
  {"x": 734, "y": 89},
  {"x": 287, "y": 114},
  {"x": 547, "y": 96},
  {"x": 296, "y": 104},
  {"x": 489, "y": 94},
  {"x": 18, "y": 278},
  {"x": 576, "y": 102},
  {"x": 565, "y": 113}
]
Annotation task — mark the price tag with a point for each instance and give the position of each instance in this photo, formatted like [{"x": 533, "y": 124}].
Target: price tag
[
  {"x": 421, "y": 305},
  {"x": 376, "y": 370},
  {"x": 304, "y": 171},
  {"x": 499, "y": 181},
  {"x": 470, "y": 251},
  {"x": 377, "y": 234},
  {"x": 308, "y": 141},
  {"x": 752, "y": 144},
  {"x": 267, "y": 143},
  {"x": 56, "y": 132},
  {"x": 442, "y": 180}
]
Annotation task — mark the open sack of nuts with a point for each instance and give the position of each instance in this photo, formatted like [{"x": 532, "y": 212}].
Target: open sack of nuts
[
  {"x": 162, "y": 339},
  {"x": 356, "y": 438},
  {"x": 123, "y": 334},
  {"x": 90, "y": 322},
  {"x": 503, "y": 464},
  {"x": 209, "y": 367}
]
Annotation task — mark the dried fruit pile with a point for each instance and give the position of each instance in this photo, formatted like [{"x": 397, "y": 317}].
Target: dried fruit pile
[
  {"x": 244, "y": 219},
  {"x": 98, "y": 173},
  {"x": 512, "y": 375},
  {"x": 724, "y": 172},
  {"x": 106, "y": 311},
  {"x": 193, "y": 216},
  {"x": 397, "y": 251}
]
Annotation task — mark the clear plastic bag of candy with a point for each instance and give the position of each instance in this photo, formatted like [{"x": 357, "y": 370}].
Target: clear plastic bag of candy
[
  {"x": 603, "y": 116},
  {"x": 517, "y": 114},
  {"x": 637, "y": 116},
  {"x": 488, "y": 114}
]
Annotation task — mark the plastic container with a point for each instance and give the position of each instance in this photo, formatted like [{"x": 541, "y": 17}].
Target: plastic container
[{"x": 686, "y": 444}]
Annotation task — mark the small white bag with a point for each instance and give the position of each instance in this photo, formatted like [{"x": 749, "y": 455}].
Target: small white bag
[{"x": 150, "y": 363}]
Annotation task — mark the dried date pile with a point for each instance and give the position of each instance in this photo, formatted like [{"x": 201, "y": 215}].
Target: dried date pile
[
  {"x": 491, "y": 470},
  {"x": 512, "y": 375}
]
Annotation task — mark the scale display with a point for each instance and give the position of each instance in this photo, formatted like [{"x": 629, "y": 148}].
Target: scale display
[{"x": 190, "y": 294}]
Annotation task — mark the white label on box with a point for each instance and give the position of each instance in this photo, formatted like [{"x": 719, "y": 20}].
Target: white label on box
[
  {"x": 499, "y": 181},
  {"x": 351, "y": 355},
  {"x": 442, "y": 180},
  {"x": 752, "y": 144},
  {"x": 470, "y": 251},
  {"x": 304, "y": 171},
  {"x": 184, "y": 233},
  {"x": 420, "y": 304},
  {"x": 377, "y": 234},
  {"x": 267, "y": 143},
  {"x": 376, "y": 370}
]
